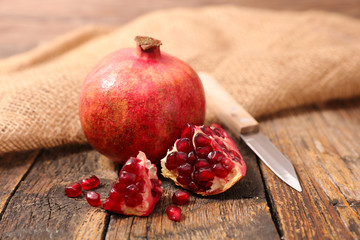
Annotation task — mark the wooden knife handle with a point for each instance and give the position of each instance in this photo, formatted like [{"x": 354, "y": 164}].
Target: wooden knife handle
[{"x": 229, "y": 112}]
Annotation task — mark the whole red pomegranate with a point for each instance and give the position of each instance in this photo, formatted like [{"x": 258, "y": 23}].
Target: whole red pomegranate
[{"x": 138, "y": 100}]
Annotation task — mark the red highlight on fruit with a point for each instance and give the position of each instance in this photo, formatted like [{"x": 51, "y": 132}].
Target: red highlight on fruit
[
  {"x": 90, "y": 183},
  {"x": 173, "y": 213},
  {"x": 139, "y": 99},
  {"x": 73, "y": 190},
  {"x": 204, "y": 160}
]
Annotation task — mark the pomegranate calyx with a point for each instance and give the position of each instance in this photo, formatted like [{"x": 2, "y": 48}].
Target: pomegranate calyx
[{"x": 147, "y": 43}]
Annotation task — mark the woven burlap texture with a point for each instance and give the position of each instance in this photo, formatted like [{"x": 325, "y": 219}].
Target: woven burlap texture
[{"x": 268, "y": 60}]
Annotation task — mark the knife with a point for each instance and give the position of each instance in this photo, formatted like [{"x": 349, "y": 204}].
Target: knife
[{"x": 241, "y": 123}]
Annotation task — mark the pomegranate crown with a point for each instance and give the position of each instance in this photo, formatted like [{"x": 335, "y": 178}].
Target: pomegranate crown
[{"x": 147, "y": 43}]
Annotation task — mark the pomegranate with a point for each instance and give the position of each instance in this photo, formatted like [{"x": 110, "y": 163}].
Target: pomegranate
[
  {"x": 137, "y": 190},
  {"x": 73, "y": 190},
  {"x": 139, "y": 99},
  {"x": 93, "y": 198},
  {"x": 204, "y": 160},
  {"x": 180, "y": 197},
  {"x": 90, "y": 183},
  {"x": 173, "y": 213}
]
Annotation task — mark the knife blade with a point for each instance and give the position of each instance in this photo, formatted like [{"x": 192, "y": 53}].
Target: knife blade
[{"x": 241, "y": 123}]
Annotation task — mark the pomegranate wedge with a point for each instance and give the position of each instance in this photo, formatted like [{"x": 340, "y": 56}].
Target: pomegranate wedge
[
  {"x": 137, "y": 190},
  {"x": 204, "y": 160}
]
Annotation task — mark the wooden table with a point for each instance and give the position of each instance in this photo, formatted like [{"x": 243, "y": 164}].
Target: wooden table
[{"x": 322, "y": 141}]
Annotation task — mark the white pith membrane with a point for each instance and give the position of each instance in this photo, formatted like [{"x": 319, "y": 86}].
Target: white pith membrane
[
  {"x": 143, "y": 208},
  {"x": 219, "y": 184}
]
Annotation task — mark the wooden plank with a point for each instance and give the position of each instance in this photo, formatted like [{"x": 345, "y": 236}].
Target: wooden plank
[
  {"x": 323, "y": 209},
  {"x": 13, "y": 168},
  {"x": 239, "y": 213},
  {"x": 39, "y": 209}
]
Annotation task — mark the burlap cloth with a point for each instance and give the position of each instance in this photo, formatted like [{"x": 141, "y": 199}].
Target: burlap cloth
[{"x": 267, "y": 60}]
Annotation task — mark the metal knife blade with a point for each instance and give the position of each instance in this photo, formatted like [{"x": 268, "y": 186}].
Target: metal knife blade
[{"x": 241, "y": 123}]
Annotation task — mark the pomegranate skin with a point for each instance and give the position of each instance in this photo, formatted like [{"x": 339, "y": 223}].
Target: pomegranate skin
[{"x": 138, "y": 100}]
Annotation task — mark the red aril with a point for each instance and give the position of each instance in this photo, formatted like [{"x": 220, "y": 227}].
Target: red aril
[
  {"x": 139, "y": 99},
  {"x": 90, "y": 183},
  {"x": 210, "y": 165},
  {"x": 73, "y": 190},
  {"x": 93, "y": 198},
  {"x": 180, "y": 197},
  {"x": 173, "y": 213},
  {"x": 137, "y": 189}
]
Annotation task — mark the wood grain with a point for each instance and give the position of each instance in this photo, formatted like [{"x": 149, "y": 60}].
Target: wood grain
[
  {"x": 13, "y": 168},
  {"x": 324, "y": 153},
  {"x": 39, "y": 209}
]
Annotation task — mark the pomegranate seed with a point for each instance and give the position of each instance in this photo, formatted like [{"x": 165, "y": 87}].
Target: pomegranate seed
[
  {"x": 204, "y": 175},
  {"x": 181, "y": 158},
  {"x": 127, "y": 178},
  {"x": 120, "y": 186},
  {"x": 184, "y": 180},
  {"x": 193, "y": 186},
  {"x": 219, "y": 170},
  {"x": 93, "y": 198},
  {"x": 132, "y": 165},
  {"x": 221, "y": 143},
  {"x": 171, "y": 161},
  {"x": 203, "y": 152},
  {"x": 202, "y": 140},
  {"x": 73, "y": 190},
  {"x": 115, "y": 195},
  {"x": 132, "y": 190},
  {"x": 202, "y": 163},
  {"x": 187, "y": 131},
  {"x": 205, "y": 185},
  {"x": 218, "y": 130},
  {"x": 191, "y": 158},
  {"x": 206, "y": 130},
  {"x": 234, "y": 154},
  {"x": 185, "y": 170},
  {"x": 141, "y": 185},
  {"x": 156, "y": 187},
  {"x": 180, "y": 197},
  {"x": 173, "y": 213},
  {"x": 90, "y": 183},
  {"x": 133, "y": 201},
  {"x": 227, "y": 164},
  {"x": 215, "y": 157},
  {"x": 184, "y": 145}
]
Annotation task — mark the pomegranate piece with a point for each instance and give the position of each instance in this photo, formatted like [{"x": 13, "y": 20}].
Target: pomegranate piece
[
  {"x": 209, "y": 166},
  {"x": 90, "y": 183},
  {"x": 73, "y": 190},
  {"x": 180, "y": 197},
  {"x": 137, "y": 189},
  {"x": 173, "y": 213},
  {"x": 93, "y": 198}
]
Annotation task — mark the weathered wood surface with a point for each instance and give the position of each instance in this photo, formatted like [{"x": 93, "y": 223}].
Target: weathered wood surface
[{"x": 323, "y": 142}]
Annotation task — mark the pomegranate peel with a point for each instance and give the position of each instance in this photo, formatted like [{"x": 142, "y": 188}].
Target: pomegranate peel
[
  {"x": 137, "y": 189},
  {"x": 210, "y": 165}
]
